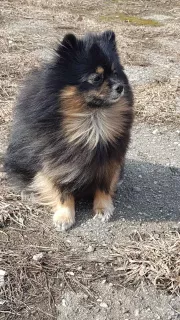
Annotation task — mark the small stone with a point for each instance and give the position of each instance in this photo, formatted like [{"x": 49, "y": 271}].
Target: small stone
[
  {"x": 64, "y": 302},
  {"x": 103, "y": 281},
  {"x": 2, "y": 275},
  {"x": 38, "y": 256},
  {"x": 103, "y": 305},
  {"x": 155, "y": 131},
  {"x": 140, "y": 176},
  {"x": 155, "y": 182},
  {"x": 137, "y": 189},
  {"x": 90, "y": 249},
  {"x": 79, "y": 268},
  {"x": 70, "y": 273},
  {"x": 136, "y": 312}
]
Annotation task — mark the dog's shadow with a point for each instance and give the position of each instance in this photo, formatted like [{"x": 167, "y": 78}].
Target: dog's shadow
[{"x": 149, "y": 192}]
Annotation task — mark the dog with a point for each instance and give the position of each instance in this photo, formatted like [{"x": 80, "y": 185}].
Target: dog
[{"x": 72, "y": 126}]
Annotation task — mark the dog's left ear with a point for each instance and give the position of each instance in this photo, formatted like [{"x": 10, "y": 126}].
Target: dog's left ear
[
  {"x": 109, "y": 36},
  {"x": 70, "y": 41},
  {"x": 68, "y": 45}
]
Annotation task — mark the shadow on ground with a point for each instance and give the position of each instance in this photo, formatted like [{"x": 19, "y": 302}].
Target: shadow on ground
[{"x": 149, "y": 192}]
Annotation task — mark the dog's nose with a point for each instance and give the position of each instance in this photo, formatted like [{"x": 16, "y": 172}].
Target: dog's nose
[{"x": 119, "y": 88}]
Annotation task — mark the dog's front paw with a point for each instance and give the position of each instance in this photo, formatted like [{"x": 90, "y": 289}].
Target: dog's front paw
[
  {"x": 64, "y": 218},
  {"x": 103, "y": 206},
  {"x": 104, "y": 213}
]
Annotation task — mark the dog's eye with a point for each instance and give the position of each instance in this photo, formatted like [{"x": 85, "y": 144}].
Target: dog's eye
[{"x": 96, "y": 79}]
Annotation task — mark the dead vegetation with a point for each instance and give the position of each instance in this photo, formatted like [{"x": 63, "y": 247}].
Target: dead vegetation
[
  {"x": 38, "y": 274},
  {"x": 39, "y": 265}
]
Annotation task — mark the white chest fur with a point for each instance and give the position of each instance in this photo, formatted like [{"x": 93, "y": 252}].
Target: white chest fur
[{"x": 89, "y": 128}]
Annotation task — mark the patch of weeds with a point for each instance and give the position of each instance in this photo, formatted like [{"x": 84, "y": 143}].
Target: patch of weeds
[{"x": 130, "y": 19}]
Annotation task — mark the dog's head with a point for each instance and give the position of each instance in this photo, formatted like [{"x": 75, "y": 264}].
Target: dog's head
[{"x": 91, "y": 66}]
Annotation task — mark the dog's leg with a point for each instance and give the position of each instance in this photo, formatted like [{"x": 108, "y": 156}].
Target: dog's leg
[
  {"x": 63, "y": 207},
  {"x": 103, "y": 203}
]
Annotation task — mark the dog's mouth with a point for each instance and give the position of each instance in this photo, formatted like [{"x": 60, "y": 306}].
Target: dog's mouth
[
  {"x": 95, "y": 102},
  {"x": 113, "y": 100}
]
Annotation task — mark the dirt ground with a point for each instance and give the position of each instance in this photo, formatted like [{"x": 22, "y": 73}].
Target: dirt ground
[{"x": 128, "y": 268}]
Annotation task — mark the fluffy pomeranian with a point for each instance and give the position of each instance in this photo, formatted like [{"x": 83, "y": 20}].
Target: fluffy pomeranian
[{"x": 72, "y": 127}]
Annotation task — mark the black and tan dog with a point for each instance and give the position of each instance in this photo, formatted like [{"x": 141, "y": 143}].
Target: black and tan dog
[{"x": 72, "y": 127}]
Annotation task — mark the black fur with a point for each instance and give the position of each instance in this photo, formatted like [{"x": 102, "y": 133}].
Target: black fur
[{"x": 38, "y": 136}]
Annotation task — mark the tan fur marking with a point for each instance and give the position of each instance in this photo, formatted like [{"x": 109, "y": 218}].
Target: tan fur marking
[
  {"x": 72, "y": 102},
  {"x": 104, "y": 90},
  {"x": 83, "y": 126},
  {"x": 48, "y": 193},
  {"x": 64, "y": 216},
  {"x": 111, "y": 174},
  {"x": 101, "y": 199},
  {"x": 100, "y": 70},
  {"x": 103, "y": 205},
  {"x": 69, "y": 91}
]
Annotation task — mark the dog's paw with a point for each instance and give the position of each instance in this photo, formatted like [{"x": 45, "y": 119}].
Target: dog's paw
[
  {"x": 64, "y": 218},
  {"x": 103, "y": 207},
  {"x": 104, "y": 213}
]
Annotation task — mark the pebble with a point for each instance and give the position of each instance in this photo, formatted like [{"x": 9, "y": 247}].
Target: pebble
[
  {"x": 103, "y": 305},
  {"x": 136, "y": 312},
  {"x": 2, "y": 275},
  {"x": 64, "y": 302},
  {"x": 70, "y": 273},
  {"x": 155, "y": 131},
  {"x": 38, "y": 256},
  {"x": 90, "y": 249},
  {"x": 137, "y": 189},
  {"x": 79, "y": 268}
]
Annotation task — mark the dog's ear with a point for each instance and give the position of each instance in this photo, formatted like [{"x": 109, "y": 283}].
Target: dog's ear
[
  {"x": 109, "y": 36},
  {"x": 68, "y": 45},
  {"x": 70, "y": 40}
]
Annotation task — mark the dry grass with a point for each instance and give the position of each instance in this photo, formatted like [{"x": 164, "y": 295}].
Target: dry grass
[
  {"x": 33, "y": 288},
  {"x": 157, "y": 102}
]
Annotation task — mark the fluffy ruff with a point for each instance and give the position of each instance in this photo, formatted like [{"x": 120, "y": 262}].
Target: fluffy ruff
[{"x": 71, "y": 127}]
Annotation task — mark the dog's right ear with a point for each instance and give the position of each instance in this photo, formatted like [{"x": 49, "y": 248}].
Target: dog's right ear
[{"x": 68, "y": 45}]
